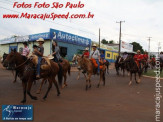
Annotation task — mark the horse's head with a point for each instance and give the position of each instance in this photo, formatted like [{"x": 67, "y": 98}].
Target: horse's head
[
  {"x": 4, "y": 57},
  {"x": 10, "y": 58}
]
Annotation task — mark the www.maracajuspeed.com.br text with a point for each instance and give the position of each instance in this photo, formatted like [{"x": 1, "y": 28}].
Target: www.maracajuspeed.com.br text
[{"x": 44, "y": 16}]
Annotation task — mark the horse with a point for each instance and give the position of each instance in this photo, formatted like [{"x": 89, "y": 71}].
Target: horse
[
  {"x": 26, "y": 72},
  {"x": 65, "y": 65},
  {"x": 107, "y": 66},
  {"x": 120, "y": 63},
  {"x": 9, "y": 66},
  {"x": 133, "y": 69},
  {"x": 88, "y": 66}
]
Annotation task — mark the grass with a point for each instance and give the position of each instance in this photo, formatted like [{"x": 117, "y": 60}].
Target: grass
[{"x": 152, "y": 73}]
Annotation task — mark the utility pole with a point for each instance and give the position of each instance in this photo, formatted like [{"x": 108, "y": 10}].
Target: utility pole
[
  {"x": 120, "y": 22},
  {"x": 99, "y": 39},
  {"x": 149, "y": 39}
]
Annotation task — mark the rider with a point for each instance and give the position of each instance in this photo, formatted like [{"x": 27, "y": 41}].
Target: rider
[
  {"x": 102, "y": 56},
  {"x": 138, "y": 58},
  {"x": 26, "y": 51},
  {"x": 153, "y": 58},
  {"x": 145, "y": 56},
  {"x": 125, "y": 55},
  {"x": 56, "y": 52},
  {"x": 96, "y": 55},
  {"x": 86, "y": 53},
  {"x": 39, "y": 51},
  {"x": 161, "y": 57}
]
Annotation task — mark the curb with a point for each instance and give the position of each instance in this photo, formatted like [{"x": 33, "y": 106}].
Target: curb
[{"x": 151, "y": 77}]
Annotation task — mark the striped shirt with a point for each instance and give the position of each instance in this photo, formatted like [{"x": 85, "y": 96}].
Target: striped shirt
[{"x": 25, "y": 51}]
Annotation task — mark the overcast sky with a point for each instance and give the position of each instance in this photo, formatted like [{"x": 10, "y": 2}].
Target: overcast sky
[{"x": 143, "y": 18}]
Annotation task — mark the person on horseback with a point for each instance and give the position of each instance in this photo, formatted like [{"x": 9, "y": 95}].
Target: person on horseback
[
  {"x": 161, "y": 57},
  {"x": 26, "y": 51},
  {"x": 125, "y": 56},
  {"x": 86, "y": 53},
  {"x": 138, "y": 59},
  {"x": 145, "y": 56},
  {"x": 39, "y": 51},
  {"x": 153, "y": 59},
  {"x": 96, "y": 55},
  {"x": 56, "y": 52}
]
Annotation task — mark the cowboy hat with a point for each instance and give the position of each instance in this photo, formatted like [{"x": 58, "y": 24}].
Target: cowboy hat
[
  {"x": 94, "y": 45},
  {"x": 40, "y": 40},
  {"x": 50, "y": 57},
  {"x": 138, "y": 51},
  {"x": 86, "y": 48}
]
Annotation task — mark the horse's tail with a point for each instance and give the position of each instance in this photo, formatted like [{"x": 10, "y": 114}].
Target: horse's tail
[
  {"x": 69, "y": 69},
  {"x": 60, "y": 74}
]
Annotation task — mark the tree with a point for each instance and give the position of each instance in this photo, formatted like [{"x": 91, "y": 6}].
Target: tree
[
  {"x": 137, "y": 46},
  {"x": 111, "y": 42},
  {"x": 104, "y": 41}
]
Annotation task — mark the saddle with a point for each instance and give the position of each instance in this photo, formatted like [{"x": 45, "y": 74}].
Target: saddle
[{"x": 95, "y": 63}]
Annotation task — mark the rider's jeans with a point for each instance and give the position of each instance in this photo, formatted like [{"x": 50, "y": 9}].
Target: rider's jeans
[
  {"x": 38, "y": 65},
  {"x": 98, "y": 70}
]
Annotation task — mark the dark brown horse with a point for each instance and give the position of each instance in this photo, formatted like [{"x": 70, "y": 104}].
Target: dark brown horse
[
  {"x": 87, "y": 65},
  {"x": 120, "y": 64},
  {"x": 26, "y": 72},
  {"x": 107, "y": 66},
  {"x": 134, "y": 69},
  {"x": 65, "y": 65}
]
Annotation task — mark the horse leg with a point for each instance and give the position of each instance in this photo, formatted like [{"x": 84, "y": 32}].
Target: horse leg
[
  {"x": 89, "y": 77},
  {"x": 39, "y": 90},
  {"x": 135, "y": 78},
  {"x": 30, "y": 82},
  {"x": 130, "y": 79},
  {"x": 24, "y": 84},
  {"x": 108, "y": 69},
  {"x": 139, "y": 78},
  {"x": 56, "y": 85},
  {"x": 78, "y": 75},
  {"x": 65, "y": 83},
  {"x": 123, "y": 72},
  {"x": 16, "y": 74},
  {"x": 49, "y": 87},
  {"x": 87, "y": 81},
  {"x": 100, "y": 79}
]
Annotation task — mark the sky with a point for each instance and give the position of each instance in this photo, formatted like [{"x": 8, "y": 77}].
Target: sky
[{"x": 143, "y": 18}]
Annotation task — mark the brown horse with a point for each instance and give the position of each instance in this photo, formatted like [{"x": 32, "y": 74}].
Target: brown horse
[
  {"x": 134, "y": 69},
  {"x": 87, "y": 65},
  {"x": 26, "y": 72},
  {"x": 65, "y": 65}
]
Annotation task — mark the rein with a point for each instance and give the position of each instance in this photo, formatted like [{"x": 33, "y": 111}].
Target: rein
[{"x": 21, "y": 64}]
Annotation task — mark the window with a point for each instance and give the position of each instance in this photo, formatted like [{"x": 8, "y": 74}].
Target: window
[
  {"x": 63, "y": 51},
  {"x": 108, "y": 55}
]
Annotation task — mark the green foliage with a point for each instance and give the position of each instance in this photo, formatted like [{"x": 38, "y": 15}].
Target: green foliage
[
  {"x": 137, "y": 46},
  {"x": 104, "y": 41}
]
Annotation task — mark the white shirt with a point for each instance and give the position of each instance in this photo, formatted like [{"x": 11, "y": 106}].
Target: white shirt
[{"x": 95, "y": 54}]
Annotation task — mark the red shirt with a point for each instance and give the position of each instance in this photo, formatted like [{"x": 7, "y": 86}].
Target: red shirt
[
  {"x": 138, "y": 57},
  {"x": 153, "y": 59},
  {"x": 86, "y": 54},
  {"x": 145, "y": 56}
]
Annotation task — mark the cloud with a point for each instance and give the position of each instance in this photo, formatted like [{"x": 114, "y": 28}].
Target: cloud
[{"x": 143, "y": 18}]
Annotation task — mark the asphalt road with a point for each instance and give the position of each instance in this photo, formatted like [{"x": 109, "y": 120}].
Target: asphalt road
[{"x": 115, "y": 102}]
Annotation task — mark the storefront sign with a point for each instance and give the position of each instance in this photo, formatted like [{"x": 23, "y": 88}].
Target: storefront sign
[
  {"x": 35, "y": 37},
  {"x": 69, "y": 38}
]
